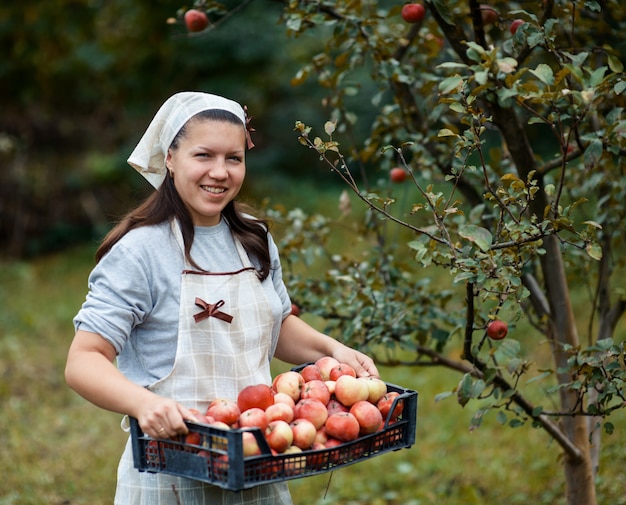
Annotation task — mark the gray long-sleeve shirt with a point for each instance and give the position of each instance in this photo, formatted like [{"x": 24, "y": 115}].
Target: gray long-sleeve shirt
[{"x": 134, "y": 291}]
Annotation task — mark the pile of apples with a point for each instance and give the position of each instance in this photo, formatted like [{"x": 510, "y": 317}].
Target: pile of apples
[{"x": 319, "y": 407}]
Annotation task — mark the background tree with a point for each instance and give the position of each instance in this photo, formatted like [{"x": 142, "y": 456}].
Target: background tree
[
  {"x": 508, "y": 119},
  {"x": 75, "y": 100}
]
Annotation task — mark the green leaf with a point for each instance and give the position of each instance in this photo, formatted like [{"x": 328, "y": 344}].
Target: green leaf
[
  {"x": 450, "y": 84},
  {"x": 593, "y": 153},
  {"x": 594, "y": 251},
  {"x": 445, "y": 132},
  {"x": 444, "y": 11},
  {"x": 442, "y": 396},
  {"x": 544, "y": 73},
  {"x": 478, "y": 235}
]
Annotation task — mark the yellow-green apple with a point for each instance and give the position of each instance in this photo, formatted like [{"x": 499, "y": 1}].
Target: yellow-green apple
[
  {"x": 278, "y": 435},
  {"x": 250, "y": 444},
  {"x": 280, "y": 410},
  {"x": 342, "y": 426},
  {"x": 331, "y": 386},
  {"x": 304, "y": 432},
  {"x": 325, "y": 365},
  {"x": 369, "y": 417},
  {"x": 290, "y": 383},
  {"x": 377, "y": 388},
  {"x": 253, "y": 417},
  {"x": 294, "y": 465},
  {"x": 311, "y": 409},
  {"x": 349, "y": 390},
  {"x": 316, "y": 389}
]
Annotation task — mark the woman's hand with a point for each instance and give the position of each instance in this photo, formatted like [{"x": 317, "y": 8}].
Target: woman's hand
[
  {"x": 161, "y": 417},
  {"x": 362, "y": 363}
]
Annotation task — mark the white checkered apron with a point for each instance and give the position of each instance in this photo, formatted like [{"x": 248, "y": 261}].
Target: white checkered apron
[{"x": 214, "y": 359}]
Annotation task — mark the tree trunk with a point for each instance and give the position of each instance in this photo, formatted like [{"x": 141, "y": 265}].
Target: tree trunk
[{"x": 580, "y": 486}]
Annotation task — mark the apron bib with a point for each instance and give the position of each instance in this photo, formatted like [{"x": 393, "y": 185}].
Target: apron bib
[{"x": 225, "y": 323}]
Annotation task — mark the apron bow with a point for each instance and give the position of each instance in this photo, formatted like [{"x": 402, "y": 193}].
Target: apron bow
[{"x": 211, "y": 310}]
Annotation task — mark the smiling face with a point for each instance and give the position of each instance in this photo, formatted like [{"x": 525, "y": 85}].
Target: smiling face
[{"x": 208, "y": 166}]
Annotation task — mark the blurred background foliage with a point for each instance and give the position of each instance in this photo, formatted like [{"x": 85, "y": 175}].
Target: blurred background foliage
[{"x": 80, "y": 81}]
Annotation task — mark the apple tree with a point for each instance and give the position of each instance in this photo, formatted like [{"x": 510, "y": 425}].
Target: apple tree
[
  {"x": 487, "y": 142},
  {"x": 508, "y": 119}
]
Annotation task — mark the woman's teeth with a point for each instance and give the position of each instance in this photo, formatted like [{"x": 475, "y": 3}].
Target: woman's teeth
[{"x": 211, "y": 189}]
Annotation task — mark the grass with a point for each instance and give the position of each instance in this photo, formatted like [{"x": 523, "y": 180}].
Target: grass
[{"x": 58, "y": 449}]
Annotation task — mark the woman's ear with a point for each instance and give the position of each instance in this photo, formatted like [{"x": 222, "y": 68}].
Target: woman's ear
[{"x": 168, "y": 163}]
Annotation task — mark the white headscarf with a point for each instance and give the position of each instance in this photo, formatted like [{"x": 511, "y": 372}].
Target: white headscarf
[{"x": 148, "y": 158}]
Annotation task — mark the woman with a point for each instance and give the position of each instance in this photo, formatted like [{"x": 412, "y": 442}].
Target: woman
[{"x": 187, "y": 295}]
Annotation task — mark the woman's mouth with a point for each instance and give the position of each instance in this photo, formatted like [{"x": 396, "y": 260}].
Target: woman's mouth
[{"x": 214, "y": 190}]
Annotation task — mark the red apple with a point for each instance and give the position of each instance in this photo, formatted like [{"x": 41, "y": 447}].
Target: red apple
[
  {"x": 257, "y": 395},
  {"x": 497, "y": 330},
  {"x": 254, "y": 417},
  {"x": 341, "y": 369},
  {"x": 369, "y": 417},
  {"x": 290, "y": 382},
  {"x": 413, "y": 12},
  {"x": 316, "y": 460},
  {"x": 489, "y": 14},
  {"x": 224, "y": 410},
  {"x": 313, "y": 410},
  {"x": 342, "y": 426},
  {"x": 316, "y": 389},
  {"x": 311, "y": 372},
  {"x": 377, "y": 388},
  {"x": 325, "y": 365},
  {"x": 278, "y": 435},
  {"x": 333, "y": 457},
  {"x": 515, "y": 25},
  {"x": 295, "y": 310},
  {"x": 193, "y": 438},
  {"x": 320, "y": 436},
  {"x": 385, "y": 404},
  {"x": 196, "y": 20},
  {"x": 335, "y": 406},
  {"x": 304, "y": 432},
  {"x": 398, "y": 175},
  {"x": 284, "y": 398},
  {"x": 279, "y": 410},
  {"x": 349, "y": 390},
  {"x": 250, "y": 444}
]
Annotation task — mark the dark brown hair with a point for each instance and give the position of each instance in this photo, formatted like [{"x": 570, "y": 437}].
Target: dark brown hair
[{"x": 165, "y": 204}]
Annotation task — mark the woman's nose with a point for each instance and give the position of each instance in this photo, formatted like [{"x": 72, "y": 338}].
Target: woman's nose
[{"x": 218, "y": 170}]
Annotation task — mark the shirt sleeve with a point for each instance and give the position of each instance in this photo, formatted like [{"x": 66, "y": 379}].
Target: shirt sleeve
[
  {"x": 277, "y": 277},
  {"x": 119, "y": 297}
]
